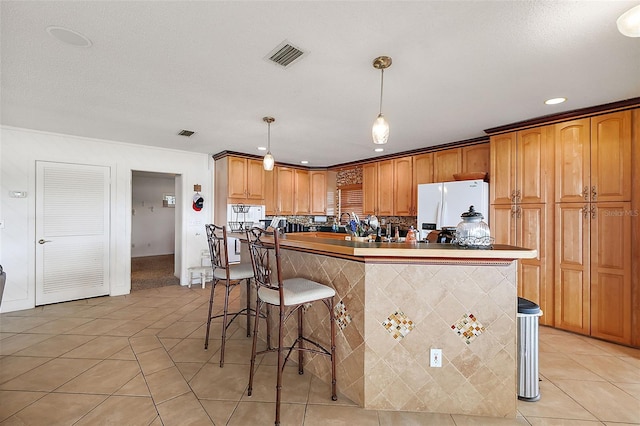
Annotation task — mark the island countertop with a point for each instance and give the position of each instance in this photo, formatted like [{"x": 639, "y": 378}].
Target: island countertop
[{"x": 372, "y": 250}]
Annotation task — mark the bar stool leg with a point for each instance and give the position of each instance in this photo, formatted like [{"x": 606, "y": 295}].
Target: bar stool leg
[
  {"x": 249, "y": 307},
  {"x": 334, "y": 396},
  {"x": 300, "y": 341},
  {"x": 206, "y": 339},
  {"x": 280, "y": 363},
  {"x": 224, "y": 322},
  {"x": 253, "y": 347}
]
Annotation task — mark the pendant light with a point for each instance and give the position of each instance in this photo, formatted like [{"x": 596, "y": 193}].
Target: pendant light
[
  {"x": 629, "y": 22},
  {"x": 380, "y": 130},
  {"x": 268, "y": 160}
]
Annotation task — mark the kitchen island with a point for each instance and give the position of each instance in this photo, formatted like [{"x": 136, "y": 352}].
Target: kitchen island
[{"x": 395, "y": 302}]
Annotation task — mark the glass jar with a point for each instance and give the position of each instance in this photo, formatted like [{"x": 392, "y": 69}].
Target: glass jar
[{"x": 473, "y": 232}]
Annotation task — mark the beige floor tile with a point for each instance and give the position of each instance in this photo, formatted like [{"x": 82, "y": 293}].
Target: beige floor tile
[
  {"x": 192, "y": 350},
  {"x": 610, "y": 368},
  {"x": 121, "y": 410},
  {"x": 55, "y": 346},
  {"x": 56, "y": 409},
  {"x": 320, "y": 393},
  {"x": 125, "y": 354},
  {"x": 134, "y": 387},
  {"x": 99, "y": 348},
  {"x": 237, "y": 351},
  {"x": 19, "y": 324},
  {"x": 141, "y": 344},
  {"x": 50, "y": 376},
  {"x": 559, "y": 366},
  {"x": 321, "y": 415},
  {"x": 540, "y": 421},
  {"x": 180, "y": 329},
  {"x": 603, "y": 400},
  {"x": 13, "y": 366},
  {"x": 228, "y": 383},
  {"x": 295, "y": 387},
  {"x": 131, "y": 328},
  {"x": 632, "y": 389},
  {"x": 97, "y": 327},
  {"x": 19, "y": 342},
  {"x": 462, "y": 420},
  {"x": 569, "y": 343},
  {"x": 166, "y": 384},
  {"x": 5, "y": 335},
  {"x": 263, "y": 413},
  {"x": 219, "y": 411},
  {"x": 106, "y": 377},
  {"x": 14, "y": 401},
  {"x": 154, "y": 360},
  {"x": 183, "y": 410},
  {"x": 554, "y": 403},
  {"x": 60, "y": 325},
  {"x": 129, "y": 313},
  {"x": 393, "y": 418},
  {"x": 189, "y": 369},
  {"x": 170, "y": 342},
  {"x": 631, "y": 360}
]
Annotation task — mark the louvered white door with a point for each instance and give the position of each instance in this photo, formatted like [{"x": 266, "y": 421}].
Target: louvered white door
[{"x": 72, "y": 231}]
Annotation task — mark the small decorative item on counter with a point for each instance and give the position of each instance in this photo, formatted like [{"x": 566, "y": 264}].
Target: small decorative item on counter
[
  {"x": 412, "y": 235},
  {"x": 356, "y": 227},
  {"x": 473, "y": 232}
]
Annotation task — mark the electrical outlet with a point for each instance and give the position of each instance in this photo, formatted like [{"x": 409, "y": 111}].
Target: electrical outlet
[{"x": 435, "y": 360}]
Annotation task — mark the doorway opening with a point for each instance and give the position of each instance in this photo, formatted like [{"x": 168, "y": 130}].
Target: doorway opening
[{"x": 154, "y": 260}]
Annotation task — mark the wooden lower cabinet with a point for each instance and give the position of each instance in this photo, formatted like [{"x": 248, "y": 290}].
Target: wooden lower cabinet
[
  {"x": 529, "y": 226},
  {"x": 593, "y": 269}
]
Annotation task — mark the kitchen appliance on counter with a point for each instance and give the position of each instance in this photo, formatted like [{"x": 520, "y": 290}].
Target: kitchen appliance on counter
[
  {"x": 441, "y": 204},
  {"x": 240, "y": 217}
]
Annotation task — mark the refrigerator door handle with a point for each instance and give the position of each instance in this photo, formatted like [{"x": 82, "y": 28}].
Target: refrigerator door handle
[{"x": 438, "y": 216}]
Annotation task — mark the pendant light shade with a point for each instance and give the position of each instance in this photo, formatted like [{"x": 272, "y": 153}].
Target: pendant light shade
[
  {"x": 380, "y": 129},
  {"x": 268, "y": 161},
  {"x": 629, "y": 22}
]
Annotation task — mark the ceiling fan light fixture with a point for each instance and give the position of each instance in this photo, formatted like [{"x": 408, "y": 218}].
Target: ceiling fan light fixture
[
  {"x": 629, "y": 22},
  {"x": 268, "y": 161},
  {"x": 380, "y": 129}
]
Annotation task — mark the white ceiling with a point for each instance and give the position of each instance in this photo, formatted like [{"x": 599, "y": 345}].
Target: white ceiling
[{"x": 156, "y": 67}]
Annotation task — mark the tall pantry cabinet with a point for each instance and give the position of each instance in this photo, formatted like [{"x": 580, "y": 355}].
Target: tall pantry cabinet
[
  {"x": 593, "y": 216},
  {"x": 521, "y": 214}
]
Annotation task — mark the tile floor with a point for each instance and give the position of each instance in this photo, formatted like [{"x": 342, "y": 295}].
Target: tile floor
[{"x": 139, "y": 360}]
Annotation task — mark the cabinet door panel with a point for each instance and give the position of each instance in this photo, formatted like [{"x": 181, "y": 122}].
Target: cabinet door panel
[
  {"x": 302, "y": 204},
  {"x": 370, "y": 188},
  {"x": 446, "y": 163},
  {"x": 572, "y": 288},
  {"x": 237, "y": 177},
  {"x": 404, "y": 193},
  {"x": 503, "y": 224},
  {"x": 572, "y": 140},
  {"x": 503, "y": 168},
  {"x": 255, "y": 180},
  {"x": 270, "y": 196},
  {"x": 476, "y": 158},
  {"x": 611, "y": 157},
  {"x": 611, "y": 271},
  {"x": 385, "y": 188},
  {"x": 423, "y": 168},
  {"x": 285, "y": 180},
  {"x": 531, "y": 150},
  {"x": 318, "y": 186}
]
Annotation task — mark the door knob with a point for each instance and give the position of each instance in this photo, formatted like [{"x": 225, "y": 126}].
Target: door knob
[{"x": 41, "y": 241}]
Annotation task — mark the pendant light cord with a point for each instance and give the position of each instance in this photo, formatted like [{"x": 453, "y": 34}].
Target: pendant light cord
[
  {"x": 381, "y": 88},
  {"x": 269, "y": 138}
]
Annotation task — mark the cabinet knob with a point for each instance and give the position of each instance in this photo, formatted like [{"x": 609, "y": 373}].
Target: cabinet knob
[
  {"x": 585, "y": 211},
  {"x": 594, "y": 194},
  {"x": 593, "y": 212},
  {"x": 585, "y": 193}
]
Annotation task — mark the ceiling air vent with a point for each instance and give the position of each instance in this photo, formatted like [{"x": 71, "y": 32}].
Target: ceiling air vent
[
  {"x": 285, "y": 54},
  {"x": 186, "y": 133}
]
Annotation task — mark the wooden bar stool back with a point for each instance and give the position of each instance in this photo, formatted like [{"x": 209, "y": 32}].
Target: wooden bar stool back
[
  {"x": 290, "y": 297},
  {"x": 229, "y": 276}
]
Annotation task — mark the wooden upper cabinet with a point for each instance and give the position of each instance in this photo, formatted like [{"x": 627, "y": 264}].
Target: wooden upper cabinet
[
  {"x": 318, "y": 188},
  {"x": 285, "y": 179},
  {"x": 423, "y": 168},
  {"x": 611, "y": 157},
  {"x": 270, "y": 193},
  {"x": 502, "y": 185},
  {"x": 572, "y": 141},
  {"x": 302, "y": 203},
  {"x": 405, "y": 192},
  {"x": 385, "y": 188},
  {"x": 447, "y": 163},
  {"x": 532, "y": 152},
  {"x": 245, "y": 180},
  {"x": 370, "y": 188},
  {"x": 476, "y": 158}
]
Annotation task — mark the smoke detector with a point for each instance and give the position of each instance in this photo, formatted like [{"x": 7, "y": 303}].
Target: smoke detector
[{"x": 285, "y": 54}]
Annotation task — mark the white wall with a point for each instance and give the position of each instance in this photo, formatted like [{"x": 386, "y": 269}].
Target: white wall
[
  {"x": 152, "y": 225},
  {"x": 21, "y": 148}
]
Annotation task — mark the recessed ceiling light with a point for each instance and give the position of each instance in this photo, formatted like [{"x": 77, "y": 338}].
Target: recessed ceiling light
[
  {"x": 68, "y": 36},
  {"x": 305, "y": 162},
  {"x": 554, "y": 101},
  {"x": 379, "y": 149},
  {"x": 262, "y": 148}
]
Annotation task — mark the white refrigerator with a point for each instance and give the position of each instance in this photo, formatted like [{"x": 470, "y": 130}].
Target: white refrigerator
[{"x": 441, "y": 204}]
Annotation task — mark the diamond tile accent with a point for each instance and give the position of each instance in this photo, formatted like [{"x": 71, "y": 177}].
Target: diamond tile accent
[
  {"x": 343, "y": 319},
  {"x": 468, "y": 328},
  {"x": 398, "y": 325}
]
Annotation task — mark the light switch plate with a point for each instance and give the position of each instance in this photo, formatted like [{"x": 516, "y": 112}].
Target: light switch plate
[{"x": 435, "y": 358}]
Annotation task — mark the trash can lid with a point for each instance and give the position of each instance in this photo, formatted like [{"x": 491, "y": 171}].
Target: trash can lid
[{"x": 527, "y": 306}]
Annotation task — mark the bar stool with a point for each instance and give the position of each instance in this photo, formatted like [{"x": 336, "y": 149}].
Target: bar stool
[
  {"x": 290, "y": 295},
  {"x": 230, "y": 276}
]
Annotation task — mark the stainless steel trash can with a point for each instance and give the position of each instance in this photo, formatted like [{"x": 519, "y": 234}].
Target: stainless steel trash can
[{"x": 527, "y": 322}]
